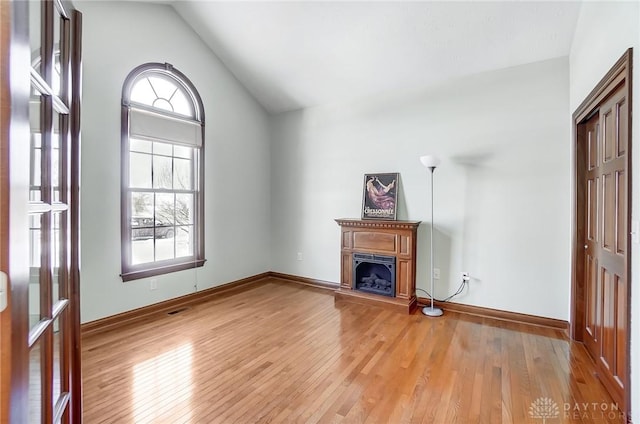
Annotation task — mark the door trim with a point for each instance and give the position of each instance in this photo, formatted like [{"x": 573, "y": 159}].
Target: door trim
[
  {"x": 619, "y": 73},
  {"x": 75, "y": 407}
]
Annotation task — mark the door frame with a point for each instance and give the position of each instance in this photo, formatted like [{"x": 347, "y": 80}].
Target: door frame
[{"x": 621, "y": 71}]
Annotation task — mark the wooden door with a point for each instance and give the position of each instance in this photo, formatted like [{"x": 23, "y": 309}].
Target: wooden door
[
  {"x": 40, "y": 218},
  {"x": 611, "y": 350},
  {"x": 601, "y": 273}
]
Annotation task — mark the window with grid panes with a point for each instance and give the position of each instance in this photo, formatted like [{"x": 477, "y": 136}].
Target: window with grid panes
[{"x": 162, "y": 173}]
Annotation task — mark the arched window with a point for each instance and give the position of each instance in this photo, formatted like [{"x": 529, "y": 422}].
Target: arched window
[{"x": 162, "y": 173}]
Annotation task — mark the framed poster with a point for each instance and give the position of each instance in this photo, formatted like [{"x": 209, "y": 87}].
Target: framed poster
[{"x": 380, "y": 196}]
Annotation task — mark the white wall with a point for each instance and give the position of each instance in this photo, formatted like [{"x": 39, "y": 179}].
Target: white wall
[
  {"x": 500, "y": 194},
  {"x": 605, "y": 30},
  {"x": 118, "y": 36}
]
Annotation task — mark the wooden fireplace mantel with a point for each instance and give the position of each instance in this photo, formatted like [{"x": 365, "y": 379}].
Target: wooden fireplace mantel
[{"x": 392, "y": 238}]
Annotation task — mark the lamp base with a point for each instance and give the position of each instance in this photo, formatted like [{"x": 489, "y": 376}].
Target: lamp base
[{"x": 430, "y": 311}]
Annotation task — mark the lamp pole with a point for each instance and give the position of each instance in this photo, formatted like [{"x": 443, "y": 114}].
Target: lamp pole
[{"x": 431, "y": 162}]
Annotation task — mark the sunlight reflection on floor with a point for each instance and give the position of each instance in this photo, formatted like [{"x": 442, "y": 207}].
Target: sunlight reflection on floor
[{"x": 162, "y": 386}]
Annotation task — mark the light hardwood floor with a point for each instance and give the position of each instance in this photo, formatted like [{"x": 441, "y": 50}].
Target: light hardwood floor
[{"x": 282, "y": 352}]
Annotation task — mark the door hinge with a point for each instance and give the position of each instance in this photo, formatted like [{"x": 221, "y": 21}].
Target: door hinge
[{"x": 3, "y": 291}]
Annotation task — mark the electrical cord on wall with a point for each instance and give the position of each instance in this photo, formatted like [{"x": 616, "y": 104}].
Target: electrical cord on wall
[
  {"x": 459, "y": 291},
  {"x": 195, "y": 271},
  {"x": 195, "y": 274}
]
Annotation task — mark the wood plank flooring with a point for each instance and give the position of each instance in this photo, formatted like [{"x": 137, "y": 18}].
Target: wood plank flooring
[{"x": 282, "y": 352}]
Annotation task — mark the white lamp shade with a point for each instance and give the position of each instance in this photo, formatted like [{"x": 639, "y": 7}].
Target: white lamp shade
[{"x": 430, "y": 161}]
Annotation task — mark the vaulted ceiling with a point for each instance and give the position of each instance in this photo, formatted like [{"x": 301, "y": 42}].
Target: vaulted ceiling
[{"x": 292, "y": 55}]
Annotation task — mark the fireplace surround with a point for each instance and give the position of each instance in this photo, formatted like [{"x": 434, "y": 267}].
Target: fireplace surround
[{"x": 378, "y": 239}]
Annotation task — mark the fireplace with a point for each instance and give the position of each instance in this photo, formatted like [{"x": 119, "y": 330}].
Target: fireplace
[
  {"x": 378, "y": 263},
  {"x": 374, "y": 274}
]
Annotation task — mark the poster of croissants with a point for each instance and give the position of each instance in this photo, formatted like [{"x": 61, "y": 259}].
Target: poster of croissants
[{"x": 380, "y": 195}]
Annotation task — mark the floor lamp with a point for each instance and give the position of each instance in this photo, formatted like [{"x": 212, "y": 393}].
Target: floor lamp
[{"x": 431, "y": 162}]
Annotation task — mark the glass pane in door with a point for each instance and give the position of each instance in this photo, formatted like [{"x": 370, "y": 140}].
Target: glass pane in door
[
  {"x": 58, "y": 368},
  {"x": 35, "y": 34},
  {"x": 35, "y": 252},
  {"x": 57, "y": 42},
  {"x": 35, "y": 156},
  {"x": 35, "y": 383},
  {"x": 57, "y": 161},
  {"x": 56, "y": 257}
]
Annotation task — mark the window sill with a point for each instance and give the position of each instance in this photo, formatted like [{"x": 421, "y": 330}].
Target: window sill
[{"x": 151, "y": 272}]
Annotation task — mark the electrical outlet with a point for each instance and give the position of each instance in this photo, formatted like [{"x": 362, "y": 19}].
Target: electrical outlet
[
  {"x": 299, "y": 256},
  {"x": 153, "y": 284},
  {"x": 436, "y": 273},
  {"x": 465, "y": 276}
]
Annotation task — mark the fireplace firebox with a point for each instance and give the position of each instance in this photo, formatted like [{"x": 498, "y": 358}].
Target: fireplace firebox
[{"x": 374, "y": 274}]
